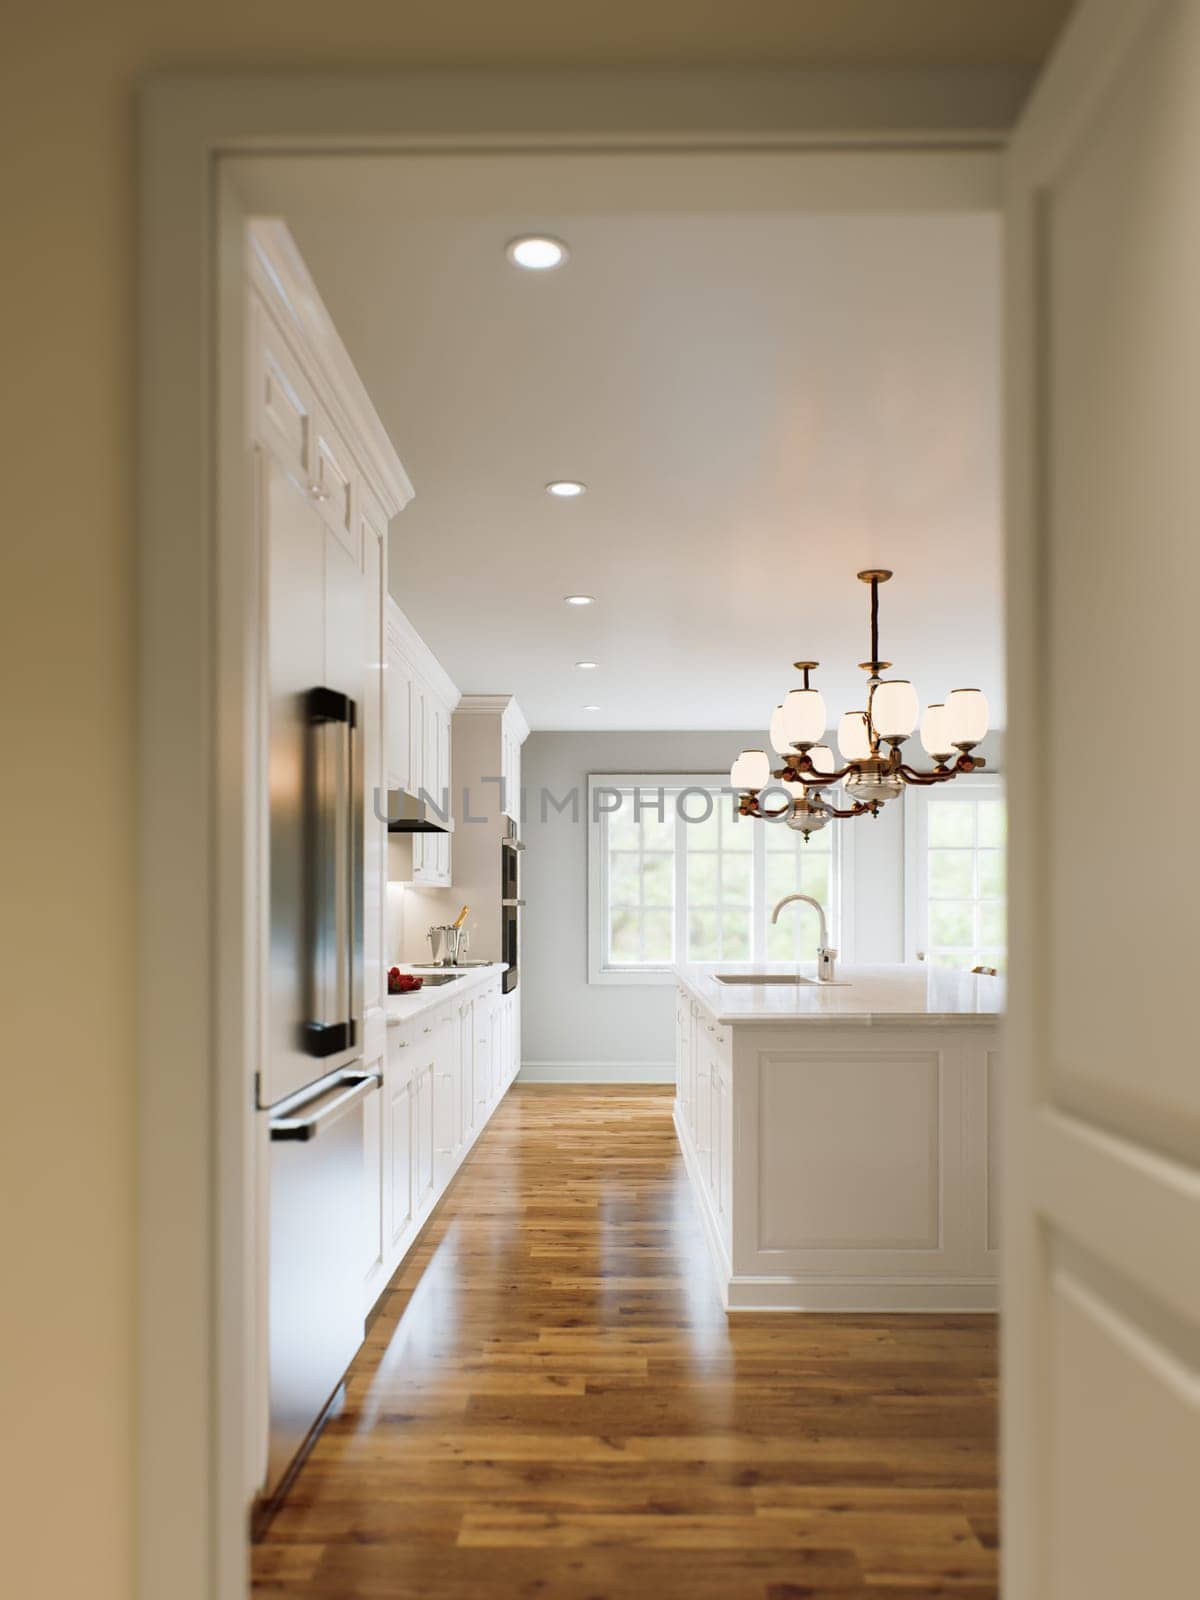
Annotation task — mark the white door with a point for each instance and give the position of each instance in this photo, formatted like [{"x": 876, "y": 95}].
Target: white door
[{"x": 1101, "y": 1323}]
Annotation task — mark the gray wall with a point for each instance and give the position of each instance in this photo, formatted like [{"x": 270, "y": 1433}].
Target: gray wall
[
  {"x": 571, "y": 1028},
  {"x": 611, "y": 1031}
]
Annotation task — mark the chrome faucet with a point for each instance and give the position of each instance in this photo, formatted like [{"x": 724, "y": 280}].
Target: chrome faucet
[{"x": 825, "y": 956}]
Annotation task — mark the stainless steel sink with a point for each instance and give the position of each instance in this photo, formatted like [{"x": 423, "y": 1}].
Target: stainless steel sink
[{"x": 762, "y": 977}]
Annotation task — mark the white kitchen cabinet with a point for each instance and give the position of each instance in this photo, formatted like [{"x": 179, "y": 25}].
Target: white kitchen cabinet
[
  {"x": 398, "y": 699},
  {"x": 683, "y": 1055},
  {"x": 468, "y": 1114},
  {"x": 483, "y": 1016},
  {"x": 418, "y": 732},
  {"x": 334, "y": 484},
  {"x": 372, "y": 525},
  {"x": 514, "y": 1037},
  {"x": 447, "y": 1094},
  {"x": 507, "y": 1030},
  {"x": 424, "y": 1164},
  {"x": 510, "y": 768},
  {"x": 843, "y": 1167},
  {"x": 375, "y": 1242},
  {"x": 283, "y": 396},
  {"x": 399, "y": 1208},
  {"x": 444, "y": 1072}
]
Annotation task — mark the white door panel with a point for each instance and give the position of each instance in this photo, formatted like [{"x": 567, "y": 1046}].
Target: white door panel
[{"x": 1101, "y": 1235}]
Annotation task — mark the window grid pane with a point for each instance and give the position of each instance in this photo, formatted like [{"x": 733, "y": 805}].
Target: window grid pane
[
  {"x": 965, "y": 879},
  {"x": 721, "y": 917},
  {"x": 640, "y": 867}
]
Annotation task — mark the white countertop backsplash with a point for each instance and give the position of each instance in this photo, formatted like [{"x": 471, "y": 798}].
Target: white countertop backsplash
[
  {"x": 403, "y": 1007},
  {"x": 916, "y": 993}
]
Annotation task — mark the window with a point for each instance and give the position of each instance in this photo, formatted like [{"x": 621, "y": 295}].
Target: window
[
  {"x": 956, "y": 862},
  {"x": 675, "y": 875}
]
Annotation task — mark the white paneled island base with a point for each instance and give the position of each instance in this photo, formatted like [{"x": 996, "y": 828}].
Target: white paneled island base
[{"x": 843, "y": 1141}]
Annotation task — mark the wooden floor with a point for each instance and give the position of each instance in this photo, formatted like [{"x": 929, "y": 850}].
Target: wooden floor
[{"x": 554, "y": 1406}]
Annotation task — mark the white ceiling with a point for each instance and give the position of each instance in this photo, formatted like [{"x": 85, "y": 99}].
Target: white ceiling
[{"x": 760, "y": 400}]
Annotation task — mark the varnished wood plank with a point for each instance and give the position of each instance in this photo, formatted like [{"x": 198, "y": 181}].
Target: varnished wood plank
[{"x": 552, "y": 1402}]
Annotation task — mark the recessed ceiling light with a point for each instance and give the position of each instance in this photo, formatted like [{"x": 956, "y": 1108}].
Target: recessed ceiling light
[
  {"x": 566, "y": 488},
  {"x": 580, "y": 599},
  {"x": 537, "y": 252},
  {"x": 591, "y": 708},
  {"x": 586, "y": 666}
]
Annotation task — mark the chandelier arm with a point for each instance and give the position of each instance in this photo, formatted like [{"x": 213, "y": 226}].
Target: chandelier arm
[
  {"x": 911, "y": 775},
  {"x": 858, "y": 809},
  {"x": 964, "y": 763},
  {"x": 807, "y": 766},
  {"x": 749, "y": 807}
]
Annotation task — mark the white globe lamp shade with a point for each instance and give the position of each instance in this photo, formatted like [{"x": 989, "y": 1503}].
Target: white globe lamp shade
[
  {"x": 804, "y": 716},
  {"x": 778, "y": 737},
  {"x": 853, "y": 739},
  {"x": 967, "y": 715},
  {"x": 751, "y": 770},
  {"x": 935, "y": 733},
  {"x": 821, "y": 757},
  {"x": 894, "y": 709}
]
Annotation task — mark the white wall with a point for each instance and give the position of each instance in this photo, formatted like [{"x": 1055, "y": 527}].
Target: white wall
[{"x": 573, "y": 1029}]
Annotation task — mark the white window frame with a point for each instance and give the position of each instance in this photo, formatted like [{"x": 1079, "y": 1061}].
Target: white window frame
[
  {"x": 916, "y": 850},
  {"x": 840, "y": 913}
]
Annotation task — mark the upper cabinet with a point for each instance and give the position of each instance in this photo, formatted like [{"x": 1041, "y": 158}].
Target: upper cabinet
[{"x": 420, "y": 700}]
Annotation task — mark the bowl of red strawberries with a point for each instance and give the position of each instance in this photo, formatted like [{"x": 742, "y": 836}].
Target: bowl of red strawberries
[{"x": 402, "y": 982}]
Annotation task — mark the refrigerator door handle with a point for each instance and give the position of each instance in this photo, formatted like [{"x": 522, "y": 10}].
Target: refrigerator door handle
[
  {"x": 330, "y": 874},
  {"x": 314, "y": 1116}
]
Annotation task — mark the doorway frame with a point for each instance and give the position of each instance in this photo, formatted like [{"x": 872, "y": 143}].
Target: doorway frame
[{"x": 196, "y": 724}]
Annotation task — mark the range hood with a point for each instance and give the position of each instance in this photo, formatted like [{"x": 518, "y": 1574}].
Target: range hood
[{"x": 409, "y": 813}]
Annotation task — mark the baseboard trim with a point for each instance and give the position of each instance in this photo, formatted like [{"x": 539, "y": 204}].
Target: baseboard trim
[
  {"x": 746, "y": 1293},
  {"x": 597, "y": 1072}
]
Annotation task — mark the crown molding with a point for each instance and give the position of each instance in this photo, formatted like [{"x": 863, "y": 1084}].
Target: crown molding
[
  {"x": 496, "y": 705},
  {"x": 278, "y": 272}
]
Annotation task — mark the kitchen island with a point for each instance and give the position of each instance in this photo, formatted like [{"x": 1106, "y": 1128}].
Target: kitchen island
[{"x": 843, "y": 1139}]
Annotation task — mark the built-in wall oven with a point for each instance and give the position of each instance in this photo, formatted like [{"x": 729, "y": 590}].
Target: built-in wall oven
[{"x": 510, "y": 904}]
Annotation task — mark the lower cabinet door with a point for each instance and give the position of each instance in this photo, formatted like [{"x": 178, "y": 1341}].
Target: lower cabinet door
[
  {"x": 423, "y": 1164},
  {"x": 481, "y": 1013},
  {"x": 466, "y": 1097},
  {"x": 402, "y": 1142},
  {"x": 374, "y": 1221},
  {"x": 703, "y": 1110},
  {"x": 714, "y": 1126},
  {"x": 447, "y": 1114},
  {"x": 724, "y": 1187}
]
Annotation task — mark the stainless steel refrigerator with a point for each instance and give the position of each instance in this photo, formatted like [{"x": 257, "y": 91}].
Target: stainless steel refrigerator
[{"x": 311, "y": 1088}]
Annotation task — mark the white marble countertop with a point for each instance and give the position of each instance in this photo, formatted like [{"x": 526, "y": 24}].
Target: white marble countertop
[
  {"x": 403, "y": 1007},
  {"x": 863, "y": 996}
]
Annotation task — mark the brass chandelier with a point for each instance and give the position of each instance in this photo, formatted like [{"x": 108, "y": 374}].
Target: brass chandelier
[{"x": 869, "y": 743}]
